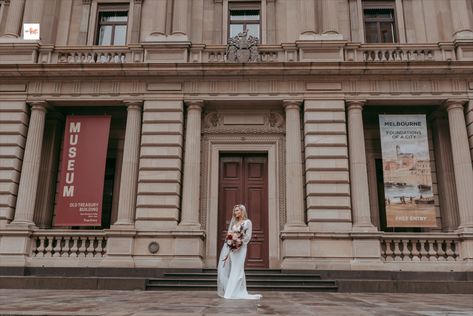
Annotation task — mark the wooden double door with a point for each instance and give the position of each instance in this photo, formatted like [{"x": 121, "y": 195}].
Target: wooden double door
[{"x": 243, "y": 179}]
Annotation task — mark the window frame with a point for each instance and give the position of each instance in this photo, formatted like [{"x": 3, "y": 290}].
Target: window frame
[
  {"x": 111, "y": 8},
  {"x": 390, "y": 5},
  {"x": 245, "y": 6}
]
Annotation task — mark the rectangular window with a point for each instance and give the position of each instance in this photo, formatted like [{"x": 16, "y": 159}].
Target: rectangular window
[
  {"x": 112, "y": 25},
  {"x": 380, "y": 22},
  {"x": 244, "y": 17}
]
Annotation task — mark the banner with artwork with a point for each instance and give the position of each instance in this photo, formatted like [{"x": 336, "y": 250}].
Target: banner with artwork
[
  {"x": 406, "y": 169},
  {"x": 82, "y": 171}
]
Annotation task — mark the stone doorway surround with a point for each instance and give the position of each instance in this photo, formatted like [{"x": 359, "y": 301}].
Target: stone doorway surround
[{"x": 259, "y": 131}]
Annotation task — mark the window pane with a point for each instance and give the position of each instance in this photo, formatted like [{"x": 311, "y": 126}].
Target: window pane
[
  {"x": 105, "y": 35},
  {"x": 379, "y": 14},
  {"x": 120, "y": 35},
  {"x": 387, "y": 32},
  {"x": 371, "y": 32},
  {"x": 253, "y": 30},
  {"x": 114, "y": 16},
  {"x": 235, "y": 29},
  {"x": 244, "y": 15}
]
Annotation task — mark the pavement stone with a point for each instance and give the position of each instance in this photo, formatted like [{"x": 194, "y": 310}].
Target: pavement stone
[{"x": 146, "y": 303}]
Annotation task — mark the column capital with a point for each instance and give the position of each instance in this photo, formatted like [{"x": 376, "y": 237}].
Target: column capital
[
  {"x": 292, "y": 104},
  {"x": 355, "y": 104},
  {"x": 133, "y": 104},
  {"x": 451, "y": 104},
  {"x": 40, "y": 105},
  {"x": 194, "y": 104}
]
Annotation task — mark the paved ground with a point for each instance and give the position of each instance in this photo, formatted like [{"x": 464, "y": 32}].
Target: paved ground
[{"x": 83, "y": 302}]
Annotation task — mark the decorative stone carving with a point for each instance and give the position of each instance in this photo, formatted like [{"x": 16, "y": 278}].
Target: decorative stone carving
[
  {"x": 242, "y": 48},
  {"x": 276, "y": 120},
  {"x": 214, "y": 122},
  {"x": 211, "y": 120}
]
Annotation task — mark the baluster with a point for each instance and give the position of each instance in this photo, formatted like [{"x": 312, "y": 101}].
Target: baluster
[
  {"x": 81, "y": 251},
  {"x": 430, "y": 55},
  {"x": 57, "y": 248},
  {"x": 90, "y": 247},
  {"x": 415, "y": 250},
  {"x": 456, "y": 250},
  {"x": 42, "y": 245},
  {"x": 423, "y": 252},
  {"x": 34, "y": 247},
  {"x": 74, "y": 246},
  {"x": 67, "y": 247},
  {"x": 449, "y": 250},
  {"x": 406, "y": 253},
  {"x": 397, "y": 251},
  {"x": 389, "y": 252},
  {"x": 49, "y": 248},
  {"x": 440, "y": 251},
  {"x": 432, "y": 252},
  {"x": 99, "y": 248}
]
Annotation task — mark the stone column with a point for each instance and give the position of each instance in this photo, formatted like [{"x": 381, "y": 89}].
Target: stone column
[
  {"x": 14, "y": 18},
  {"x": 330, "y": 18},
  {"x": 461, "y": 24},
  {"x": 129, "y": 174},
  {"x": 307, "y": 19},
  {"x": 84, "y": 23},
  {"x": 179, "y": 18},
  {"x": 358, "y": 172},
  {"x": 191, "y": 183},
  {"x": 294, "y": 181},
  {"x": 461, "y": 162},
  {"x": 159, "y": 24},
  {"x": 135, "y": 28},
  {"x": 28, "y": 186},
  {"x": 445, "y": 172}
]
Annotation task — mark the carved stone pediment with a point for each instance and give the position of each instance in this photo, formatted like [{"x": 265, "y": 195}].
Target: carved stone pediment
[
  {"x": 242, "y": 48},
  {"x": 261, "y": 122}
]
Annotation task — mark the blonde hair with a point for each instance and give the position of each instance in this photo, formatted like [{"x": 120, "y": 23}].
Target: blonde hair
[{"x": 242, "y": 208}]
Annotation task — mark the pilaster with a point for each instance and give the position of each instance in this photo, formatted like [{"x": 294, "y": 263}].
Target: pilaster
[
  {"x": 191, "y": 182},
  {"x": 461, "y": 162}
]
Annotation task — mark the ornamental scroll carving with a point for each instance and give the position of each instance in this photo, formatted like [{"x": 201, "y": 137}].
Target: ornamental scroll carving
[{"x": 272, "y": 122}]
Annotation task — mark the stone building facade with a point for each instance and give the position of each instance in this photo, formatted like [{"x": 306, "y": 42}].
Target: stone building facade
[{"x": 284, "y": 121}]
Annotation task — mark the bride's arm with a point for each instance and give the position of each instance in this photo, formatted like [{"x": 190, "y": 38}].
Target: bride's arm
[{"x": 248, "y": 231}]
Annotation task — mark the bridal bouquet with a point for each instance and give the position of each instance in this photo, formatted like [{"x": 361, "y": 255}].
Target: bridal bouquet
[{"x": 234, "y": 239}]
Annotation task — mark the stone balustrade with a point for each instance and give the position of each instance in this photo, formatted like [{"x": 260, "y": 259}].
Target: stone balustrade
[
  {"x": 420, "y": 247},
  {"x": 68, "y": 244},
  {"x": 305, "y": 51},
  {"x": 399, "y": 53}
]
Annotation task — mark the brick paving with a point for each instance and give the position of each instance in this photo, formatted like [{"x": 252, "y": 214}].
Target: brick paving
[{"x": 115, "y": 303}]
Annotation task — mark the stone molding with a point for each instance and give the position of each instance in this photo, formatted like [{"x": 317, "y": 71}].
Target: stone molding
[
  {"x": 438, "y": 88},
  {"x": 213, "y": 122}
]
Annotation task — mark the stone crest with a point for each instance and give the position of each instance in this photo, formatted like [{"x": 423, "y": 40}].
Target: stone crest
[{"x": 242, "y": 48}]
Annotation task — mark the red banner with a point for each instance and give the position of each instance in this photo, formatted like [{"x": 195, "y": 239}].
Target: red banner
[{"x": 80, "y": 191}]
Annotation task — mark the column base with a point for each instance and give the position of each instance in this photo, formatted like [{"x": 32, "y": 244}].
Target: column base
[
  {"x": 120, "y": 245},
  {"x": 188, "y": 226},
  {"x": 364, "y": 228},
  {"x": 366, "y": 249},
  {"x": 15, "y": 246},
  {"x": 463, "y": 34},
  {"x": 156, "y": 37},
  {"x": 466, "y": 245},
  {"x": 296, "y": 227}
]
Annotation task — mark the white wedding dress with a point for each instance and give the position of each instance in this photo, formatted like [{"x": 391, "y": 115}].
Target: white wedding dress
[{"x": 231, "y": 281}]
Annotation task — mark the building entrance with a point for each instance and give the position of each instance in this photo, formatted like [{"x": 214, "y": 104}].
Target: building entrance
[{"x": 243, "y": 179}]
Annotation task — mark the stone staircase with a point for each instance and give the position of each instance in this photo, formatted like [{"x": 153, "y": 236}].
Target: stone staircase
[{"x": 267, "y": 280}]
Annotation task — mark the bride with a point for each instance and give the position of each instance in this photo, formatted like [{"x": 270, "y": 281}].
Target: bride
[{"x": 231, "y": 281}]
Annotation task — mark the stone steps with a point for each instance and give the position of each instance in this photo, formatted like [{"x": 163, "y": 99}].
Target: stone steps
[{"x": 268, "y": 280}]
